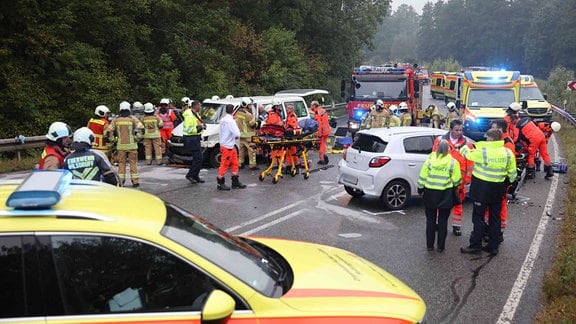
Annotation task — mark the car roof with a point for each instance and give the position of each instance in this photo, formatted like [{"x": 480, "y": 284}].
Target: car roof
[
  {"x": 301, "y": 92},
  {"x": 83, "y": 206},
  {"x": 224, "y": 101},
  {"x": 387, "y": 133}
]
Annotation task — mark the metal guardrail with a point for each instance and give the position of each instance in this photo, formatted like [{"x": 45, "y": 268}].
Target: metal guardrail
[{"x": 569, "y": 117}]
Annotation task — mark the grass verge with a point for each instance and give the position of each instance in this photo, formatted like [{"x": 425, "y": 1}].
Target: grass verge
[
  {"x": 559, "y": 285},
  {"x": 9, "y": 162}
]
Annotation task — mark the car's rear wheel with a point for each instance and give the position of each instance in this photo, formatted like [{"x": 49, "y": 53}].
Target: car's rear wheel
[
  {"x": 395, "y": 195},
  {"x": 215, "y": 157},
  {"x": 356, "y": 193}
]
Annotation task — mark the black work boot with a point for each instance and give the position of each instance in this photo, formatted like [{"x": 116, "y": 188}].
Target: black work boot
[
  {"x": 538, "y": 163},
  {"x": 236, "y": 184},
  {"x": 530, "y": 173},
  {"x": 549, "y": 172},
  {"x": 221, "y": 184}
]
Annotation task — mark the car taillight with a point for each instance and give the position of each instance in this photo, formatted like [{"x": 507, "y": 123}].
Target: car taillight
[{"x": 378, "y": 161}]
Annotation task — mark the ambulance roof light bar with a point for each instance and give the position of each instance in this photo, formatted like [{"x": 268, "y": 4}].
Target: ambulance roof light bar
[{"x": 40, "y": 190}]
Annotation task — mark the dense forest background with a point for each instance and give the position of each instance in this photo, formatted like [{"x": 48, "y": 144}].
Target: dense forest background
[{"x": 61, "y": 58}]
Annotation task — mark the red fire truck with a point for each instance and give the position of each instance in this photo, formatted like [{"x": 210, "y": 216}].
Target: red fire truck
[{"x": 370, "y": 83}]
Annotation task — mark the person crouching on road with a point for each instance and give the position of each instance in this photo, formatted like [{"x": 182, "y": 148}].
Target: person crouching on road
[
  {"x": 57, "y": 141},
  {"x": 439, "y": 176},
  {"x": 494, "y": 169},
  {"x": 87, "y": 163},
  {"x": 229, "y": 133}
]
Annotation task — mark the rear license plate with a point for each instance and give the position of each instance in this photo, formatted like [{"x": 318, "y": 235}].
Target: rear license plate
[{"x": 349, "y": 179}]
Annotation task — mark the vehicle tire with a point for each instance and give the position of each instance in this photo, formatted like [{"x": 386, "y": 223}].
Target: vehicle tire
[
  {"x": 433, "y": 95},
  {"x": 395, "y": 195},
  {"x": 215, "y": 157},
  {"x": 356, "y": 193}
]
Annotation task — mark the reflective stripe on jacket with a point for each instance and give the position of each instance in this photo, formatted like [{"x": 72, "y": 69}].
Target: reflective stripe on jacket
[
  {"x": 98, "y": 127},
  {"x": 492, "y": 161},
  {"x": 152, "y": 125},
  {"x": 439, "y": 173}
]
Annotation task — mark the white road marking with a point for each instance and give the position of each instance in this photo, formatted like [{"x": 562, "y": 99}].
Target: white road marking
[
  {"x": 255, "y": 220},
  {"x": 401, "y": 212},
  {"x": 272, "y": 223},
  {"x": 509, "y": 309}
]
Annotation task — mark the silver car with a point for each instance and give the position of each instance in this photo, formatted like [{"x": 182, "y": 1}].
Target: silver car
[{"x": 386, "y": 163}]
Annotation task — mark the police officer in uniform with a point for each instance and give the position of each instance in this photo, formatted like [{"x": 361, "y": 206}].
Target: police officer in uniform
[
  {"x": 192, "y": 130},
  {"x": 494, "y": 169}
]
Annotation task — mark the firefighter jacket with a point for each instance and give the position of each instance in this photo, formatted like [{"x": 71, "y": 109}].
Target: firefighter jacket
[
  {"x": 405, "y": 119},
  {"x": 439, "y": 174},
  {"x": 98, "y": 126},
  {"x": 88, "y": 164},
  {"x": 246, "y": 123},
  {"x": 391, "y": 121},
  {"x": 168, "y": 117},
  {"x": 376, "y": 118},
  {"x": 452, "y": 115},
  {"x": 529, "y": 133},
  {"x": 323, "y": 120},
  {"x": 466, "y": 166},
  {"x": 128, "y": 131},
  {"x": 152, "y": 125},
  {"x": 192, "y": 123},
  {"x": 52, "y": 157},
  {"x": 494, "y": 169}
]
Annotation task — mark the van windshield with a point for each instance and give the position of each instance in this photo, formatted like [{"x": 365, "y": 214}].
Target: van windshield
[
  {"x": 530, "y": 93},
  {"x": 490, "y": 98},
  {"x": 382, "y": 89},
  {"x": 211, "y": 113}
]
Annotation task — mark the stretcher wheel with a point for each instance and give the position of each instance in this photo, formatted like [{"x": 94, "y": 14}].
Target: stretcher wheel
[
  {"x": 306, "y": 175},
  {"x": 261, "y": 176},
  {"x": 275, "y": 179},
  {"x": 293, "y": 172}
]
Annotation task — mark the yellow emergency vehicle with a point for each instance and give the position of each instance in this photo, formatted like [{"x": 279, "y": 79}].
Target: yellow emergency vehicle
[{"x": 537, "y": 107}]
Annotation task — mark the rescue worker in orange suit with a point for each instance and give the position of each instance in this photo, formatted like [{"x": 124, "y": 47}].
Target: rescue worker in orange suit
[
  {"x": 535, "y": 141},
  {"x": 274, "y": 114},
  {"x": 128, "y": 131},
  {"x": 456, "y": 141},
  {"x": 548, "y": 129},
  {"x": 229, "y": 133},
  {"x": 57, "y": 142},
  {"x": 97, "y": 125},
  {"x": 168, "y": 119},
  {"x": 294, "y": 129},
  {"x": 151, "y": 139},
  {"x": 192, "y": 130},
  {"x": 247, "y": 125},
  {"x": 512, "y": 115},
  {"x": 502, "y": 125},
  {"x": 324, "y": 130},
  {"x": 87, "y": 163}
]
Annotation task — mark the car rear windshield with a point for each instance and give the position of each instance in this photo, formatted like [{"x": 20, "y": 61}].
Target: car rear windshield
[{"x": 369, "y": 143}]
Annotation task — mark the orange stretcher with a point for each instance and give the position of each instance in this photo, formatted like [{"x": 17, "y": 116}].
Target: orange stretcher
[{"x": 281, "y": 147}]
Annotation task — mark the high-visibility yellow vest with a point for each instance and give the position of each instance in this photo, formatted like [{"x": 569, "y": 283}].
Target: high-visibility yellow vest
[
  {"x": 492, "y": 161},
  {"x": 440, "y": 173},
  {"x": 190, "y": 123}
]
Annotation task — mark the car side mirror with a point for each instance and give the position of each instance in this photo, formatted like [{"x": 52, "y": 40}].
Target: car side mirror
[
  {"x": 524, "y": 104},
  {"x": 218, "y": 306}
]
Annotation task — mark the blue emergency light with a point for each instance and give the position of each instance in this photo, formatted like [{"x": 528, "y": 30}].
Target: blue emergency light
[{"x": 40, "y": 190}]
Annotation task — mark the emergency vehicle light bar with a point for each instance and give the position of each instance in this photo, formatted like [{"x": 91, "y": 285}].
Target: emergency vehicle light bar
[{"x": 40, "y": 190}]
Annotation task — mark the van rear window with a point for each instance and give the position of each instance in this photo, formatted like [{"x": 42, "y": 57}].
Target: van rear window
[{"x": 369, "y": 143}]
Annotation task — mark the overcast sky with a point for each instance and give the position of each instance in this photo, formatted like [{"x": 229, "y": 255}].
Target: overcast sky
[{"x": 416, "y": 4}]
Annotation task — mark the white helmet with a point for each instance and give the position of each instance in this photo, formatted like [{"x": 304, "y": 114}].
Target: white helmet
[
  {"x": 403, "y": 106},
  {"x": 215, "y": 98},
  {"x": 229, "y": 97},
  {"x": 394, "y": 108},
  {"x": 515, "y": 106},
  {"x": 83, "y": 135},
  {"x": 124, "y": 105},
  {"x": 101, "y": 110},
  {"x": 246, "y": 101},
  {"x": 555, "y": 126},
  {"x": 137, "y": 105},
  {"x": 276, "y": 102},
  {"x": 185, "y": 101},
  {"x": 165, "y": 101},
  {"x": 451, "y": 106},
  {"x": 379, "y": 103},
  {"x": 58, "y": 130},
  {"x": 148, "y": 107},
  {"x": 268, "y": 107}
]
